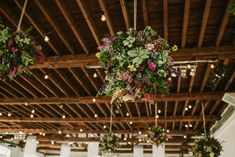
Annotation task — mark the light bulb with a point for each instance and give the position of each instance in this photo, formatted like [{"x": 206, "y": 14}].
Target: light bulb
[
  {"x": 26, "y": 104},
  {"x": 63, "y": 116},
  {"x": 46, "y": 76},
  {"x": 33, "y": 111},
  {"x": 94, "y": 75},
  {"x": 125, "y": 139},
  {"x": 9, "y": 114},
  {"x": 104, "y": 126},
  {"x": 212, "y": 66},
  {"x": 167, "y": 131},
  {"x": 52, "y": 142},
  {"x": 59, "y": 132},
  {"x": 0, "y": 113},
  {"x": 81, "y": 130},
  {"x": 93, "y": 100},
  {"x": 157, "y": 116},
  {"x": 31, "y": 116},
  {"x": 131, "y": 122},
  {"x": 95, "y": 115},
  {"x": 46, "y": 38},
  {"x": 186, "y": 108},
  {"x": 43, "y": 134},
  {"x": 186, "y": 125},
  {"x": 190, "y": 106},
  {"x": 127, "y": 114},
  {"x": 103, "y": 18},
  {"x": 159, "y": 111},
  {"x": 139, "y": 132},
  {"x": 190, "y": 125},
  {"x": 185, "y": 136}
]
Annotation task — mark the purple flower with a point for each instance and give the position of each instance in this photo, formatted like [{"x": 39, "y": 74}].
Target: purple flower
[
  {"x": 151, "y": 66},
  {"x": 10, "y": 43},
  {"x": 149, "y": 47}
]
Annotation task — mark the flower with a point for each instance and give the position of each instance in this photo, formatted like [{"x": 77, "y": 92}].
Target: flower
[
  {"x": 98, "y": 54},
  {"x": 39, "y": 58},
  {"x": 10, "y": 43},
  {"x": 26, "y": 68},
  {"x": 174, "y": 48},
  {"x": 14, "y": 70},
  {"x": 14, "y": 49},
  {"x": 138, "y": 86},
  {"x": 149, "y": 38},
  {"x": 128, "y": 77},
  {"x": 151, "y": 66},
  {"x": 149, "y": 47}
]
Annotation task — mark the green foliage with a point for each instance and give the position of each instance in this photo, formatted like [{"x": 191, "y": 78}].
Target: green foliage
[
  {"x": 232, "y": 9},
  {"x": 135, "y": 63},
  {"x": 207, "y": 147},
  {"x": 108, "y": 142},
  {"x": 17, "y": 52},
  {"x": 156, "y": 135}
]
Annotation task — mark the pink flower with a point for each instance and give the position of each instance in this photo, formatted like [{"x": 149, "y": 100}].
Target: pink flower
[
  {"x": 14, "y": 49},
  {"x": 140, "y": 35},
  {"x": 14, "y": 61},
  {"x": 170, "y": 82},
  {"x": 149, "y": 47},
  {"x": 10, "y": 43},
  {"x": 138, "y": 86},
  {"x": 149, "y": 38},
  {"x": 151, "y": 66},
  {"x": 39, "y": 48},
  {"x": 14, "y": 70},
  {"x": 128, "y": 77},
  {"x": 119, "y": 77},
  {"x": 26, "y": 68}
]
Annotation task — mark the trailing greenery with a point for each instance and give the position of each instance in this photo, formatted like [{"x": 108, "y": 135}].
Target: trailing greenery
[
  {"x": 207, "y": 147},
  {"x": 135, "y": 63},
  {"x": 18, "y": 52},
  {"x": 108, "y": 142},
  {"x": 156, "y": 135}
]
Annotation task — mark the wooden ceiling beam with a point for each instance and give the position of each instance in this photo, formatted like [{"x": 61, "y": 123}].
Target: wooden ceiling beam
[
  {"x": 165, "y": 18},
  {"x": 145, "y": 12},
  {"x": 107, "y": 119},
  {"x": 67, "y": 61},
  {"x": 223, "y": 23},
  {"x": 89, "y": 20},
  {"x": 204, "y": 22},
  {"x": 106, "y": 14},
  {"x": 185, "y": 23},
  {"x": 125, "y": 13},
  {"x": 105, "y": 99},
  {"x": 72, "y": 24},
  {"x": 55, "y": 26}
]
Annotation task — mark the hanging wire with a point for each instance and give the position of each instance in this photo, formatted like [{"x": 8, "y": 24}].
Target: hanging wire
[
  {"x": 156, "y": 114},
  {"x": 111, "y": 119},
  {"x": 22, "y": 15},
  {"x": 135, "y": 13},
  {"x": 204, "y": 119}
]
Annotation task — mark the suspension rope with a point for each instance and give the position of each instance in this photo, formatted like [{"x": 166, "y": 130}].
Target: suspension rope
[
  {"x": 111, "y": 119},
  {"x": 204, "y": 119},
  {"x": 135, "y": 13},
  {"x": 22, "y": 15}
]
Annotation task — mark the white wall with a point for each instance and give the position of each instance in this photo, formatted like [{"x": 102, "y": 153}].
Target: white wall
[
  {"x": 226, "y": 134},
  {"x": 18, "y": 152}
]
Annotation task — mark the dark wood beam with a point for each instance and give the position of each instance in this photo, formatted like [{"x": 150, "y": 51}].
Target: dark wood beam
[
  {"x": 165, "y": 18},
  {"x": 204, "y": 22},
  {"x": 105, "y": 99},
  {"x": 223, "y": 23},
  {"x": 125, "y": 13},
  {"x": 68, "y": 61},
  {"x": 145, "y": 12},
  {"x": 185, "y": 23},
  {"x": 107, "y": 119}
]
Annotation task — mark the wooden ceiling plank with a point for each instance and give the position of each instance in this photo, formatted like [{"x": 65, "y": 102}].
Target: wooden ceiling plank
[
  {"x": 55, "y": 26},
  {"x": 204, "y": 22},
  {"x": 230, "y": 81},
  {"x": 147, "y": 109},
  {"x": 105, "y": 99},
  {"x": 23, "y": 87},
  {"x": 205, "y": 78},
  {"x": 185, "y": 23},
  {"x": 72, "y": 24},
  {"x": 214, "y": 107},
  {"x": 165, "y": 18},
  {"x": 165, "y": 112},
  {"x": 137, "y": 108},
  {"x": 107, "y": 119},
  {"x": 223, "y": 23},
  {"x": 54, "y": 82},
  {"x": 89, "y": 20},
  {"x": 12, "y": 87},
  {"x": 125, "y": 13},
  {"x": 89, "y": 78},
  {"x": 37, "y": 27},
  {"x": 80, "y": 81},
  {"x": 145, "y": 12},
  {"x": 106, "y": 14},
  {"x": 174, "y": 113}
]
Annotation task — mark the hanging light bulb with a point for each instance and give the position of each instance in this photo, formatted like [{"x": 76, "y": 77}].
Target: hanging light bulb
[
  {"x": 0, "y": 113},
  {"x": 167, "y": 131},
  {"x": 93, "y": 100},
  {"x": 26, "y": 104},
  {"x": 52, "y": 142},
  {"x": 157, "y": 116},
  {"x": 186, "y": 125},
  {"x": 212, "y": 66},
  {"x": 63, "y": 116},
  {"x": 131, "y": 122},
  {"x": 46, "y": 76},
  {"x": 192, "y": 71},
  {"x": 127, "y": 114},
  {"x": 186, "y": 108},
  {"x": 139, "y": 132},
  {"x": 31, "y": 116},
  {"x": 9, "y": 114},
  {"x": 94, "y": 75},
  {"x": 59, "y": 132},
  {"x": 81, "y": 130},
  {"x": 125, "y": 139},
  {"x": 95, "y": 115},
  {"x": 159, "y": 111},
  {"x": 190, "y": 125},
  {"x": 189, "y": 106},
  {"x": 185, "y": 136},
  {"x": 43, "y": 134},
  {"x": 33, "y": 111},
  {"x": 46, "y": 38},
  {"x": 103, "y": 18}
]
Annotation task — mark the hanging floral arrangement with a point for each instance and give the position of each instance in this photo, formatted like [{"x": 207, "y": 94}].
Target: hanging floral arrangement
[
  {"x": 207, "y": 147},
  {"x": 232, "y": 9},
  {"x": 156, "y": 135},
  {"x": 135, "y": 63},
  {"x": 18, "y": 53},
  {"x": 108, "y": 142}
]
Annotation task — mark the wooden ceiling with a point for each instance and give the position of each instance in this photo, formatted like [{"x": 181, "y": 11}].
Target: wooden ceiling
[{"x": 203, "y": 29}]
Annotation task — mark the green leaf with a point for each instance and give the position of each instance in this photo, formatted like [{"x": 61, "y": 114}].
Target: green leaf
[{"x": 132, "y": 53}]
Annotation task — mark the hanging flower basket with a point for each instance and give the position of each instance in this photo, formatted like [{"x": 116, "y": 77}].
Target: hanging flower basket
[
  {"x": 156, "y": 135},
  {"x": 135, "y": 63},
  {"x": 18, "y": 53},
  {"x": 108, "y": 143},
  {"x": 207, "y": 147}
]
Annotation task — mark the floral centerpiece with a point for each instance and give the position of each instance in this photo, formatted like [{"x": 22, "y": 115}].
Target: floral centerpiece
[
  {"x": 17, "y": 53},
  {"x": 135, "y": 63},
  {"x": 156, "y": 135},
  {"x": 207, "y": 147},
  {"x": 108, "y": 142}
]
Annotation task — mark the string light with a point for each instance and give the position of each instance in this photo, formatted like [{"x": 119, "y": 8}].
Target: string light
[
  {"x": 190, "y": 106},
  {"x": 93, "y": 100},
  {"x": 52, "y": 142},
  {"x": 46, "y": 76},
  {"x": 9, "y": 114},
  {"x": 186, "y": 108},
  {"x": 131, "y": 122},
  {"x": 212, "y": 66},
  {"x": 63, "y": 116},
  {"x": 31, "y": 116},
  {"x": 43, "y": 134},
  {"x": 95, "y": 115},
  {"x": 1, "y": 136},
  {"x": 185, "y": 136},
  {"x": 0, "y": 113},
  {"x": 157, "y": 116},
  {"x": 139, "y": 132},
  {"x": 81, "y": 130},
  {"x": 190, "y": 125},
  {"x": 46, "y": 38},
  {"x": 125, "y": 139},
  {"x": 26, "y": 104},
  {"x": 127, "y": 114},
  {"x": 104, "y": 126},
  {"x": 59, "y": 132},
  {"x": 61, "y": 106},
  {"x": 129, "y": 143},
  {"x": 40, "y": 133},
  {"x": 186, "y": 125},
  {"x": 33, "y": 111},
  {"x": 167, "y": 131},
  {"x": 94, "y": 75},
  {"x": 139, "y": 140},
  {"x": 103, "y": 18},
  {"x": 159, "y": 111},
  {"x": 67, "y": 135}
]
